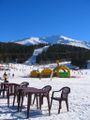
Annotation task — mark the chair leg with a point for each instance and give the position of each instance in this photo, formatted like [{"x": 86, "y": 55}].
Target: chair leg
[
  {"x": 22, "y": 99},
  {"x": 59, "y": 106},
  {"x": 18, "y": 100},
  {"x": 40, "y": 103},
  {"x": 51, "y": 103},
  {"x": 14, "y": 99},
  {"x": 34, "y": 99},
  {"x": 67, "y": 105},
  {"x": 37, "y": 101},
  {"x": 8, "y": 100},
  {"x": 3, "y": 94},
  {"x": 49, "y": 107}
]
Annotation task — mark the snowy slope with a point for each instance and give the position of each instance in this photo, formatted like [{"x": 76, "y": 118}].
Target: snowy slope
[
  {"x": 55, "y": 40},
  {"x": 32, "y": 60}
]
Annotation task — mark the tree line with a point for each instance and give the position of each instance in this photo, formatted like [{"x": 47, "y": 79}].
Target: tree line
[
  {"x": 77, "y": 55},
  {"x": 13, "y": 52}
]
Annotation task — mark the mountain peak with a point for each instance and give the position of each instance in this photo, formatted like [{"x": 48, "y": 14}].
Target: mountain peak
[
  {"x": 56, "y": 39},
  {"x": 31, "y": 41},
  {"x": 67, "y": 38}
]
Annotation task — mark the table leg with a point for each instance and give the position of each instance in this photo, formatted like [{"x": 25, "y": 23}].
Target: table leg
[
  {"x": 48, "y": 103},
  {"x": 19, "y": 97},
  {"x": 40, "y": 101},
  {"x": 28, "y": 104}
]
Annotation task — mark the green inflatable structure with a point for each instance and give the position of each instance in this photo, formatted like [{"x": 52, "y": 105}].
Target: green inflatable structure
[{"x": 62, "y": 71}]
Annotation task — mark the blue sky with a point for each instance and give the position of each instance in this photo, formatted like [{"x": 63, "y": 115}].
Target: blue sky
[{"x": 26, "y": 18}]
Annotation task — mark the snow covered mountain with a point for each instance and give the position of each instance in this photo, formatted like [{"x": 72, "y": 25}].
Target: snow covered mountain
[
  {"x": 31, "y": 41},
  {"x": 54, "y": 40},
  {"x": 73, "y": 42}
]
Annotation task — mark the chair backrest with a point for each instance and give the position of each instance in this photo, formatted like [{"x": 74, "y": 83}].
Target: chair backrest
[
  {"x": 12, "y": 88},
  {"x": 24, "y": 84},
  {"x": 65, "y": 92},
  {"x": 47, "y": 88}
]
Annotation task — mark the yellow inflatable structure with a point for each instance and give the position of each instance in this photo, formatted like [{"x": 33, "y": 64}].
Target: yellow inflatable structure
[
  {"x": 35, "y": 73},
  {"x": 46, "y": 72}
]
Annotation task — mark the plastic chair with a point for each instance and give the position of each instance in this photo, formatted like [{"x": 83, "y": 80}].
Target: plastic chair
[
  {"x": 46, "y": 89},
  {"x": 63, "y": 97},
  {"x": 3, "y": 88},
  {"x": 23, "y": 84},
  {"x": 11, "y": 90}
]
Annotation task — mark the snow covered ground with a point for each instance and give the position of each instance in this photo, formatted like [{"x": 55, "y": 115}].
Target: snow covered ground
[{"x": 79, "y": 98}]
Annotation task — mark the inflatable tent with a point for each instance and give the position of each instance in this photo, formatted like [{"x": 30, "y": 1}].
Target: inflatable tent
[
  {"x": 35, "y": 73},
  {"x": 62, "y": 71},
  {"x": 46, "y": 72}
]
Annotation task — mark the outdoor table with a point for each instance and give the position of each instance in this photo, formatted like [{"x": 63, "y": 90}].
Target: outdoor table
[{"x": 29, "y": 91}]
